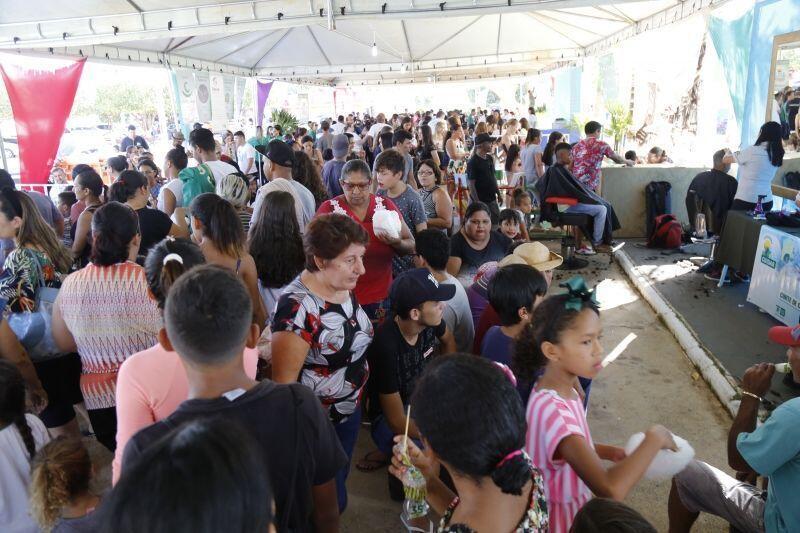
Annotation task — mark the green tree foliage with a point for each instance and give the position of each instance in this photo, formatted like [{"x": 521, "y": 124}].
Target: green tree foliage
[
  {"x": 621, "y": 120},
  {"x": 286, "y": 120}
]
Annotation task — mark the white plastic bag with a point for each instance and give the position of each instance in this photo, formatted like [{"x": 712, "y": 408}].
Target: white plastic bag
[
  {"x": 386, "y": 221},
  {"x": 666, "y": 462}
]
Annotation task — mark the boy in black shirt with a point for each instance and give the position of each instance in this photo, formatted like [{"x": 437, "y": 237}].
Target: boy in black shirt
[
  {"x": 398, "y": 353},
  {"x": 208, "y": 321}
]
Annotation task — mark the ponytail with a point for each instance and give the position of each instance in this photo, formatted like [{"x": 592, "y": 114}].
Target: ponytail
[
  {"x": 166, "y": 262},
  {"x": 221, "y": 224},
  {"x": 512, "y": 472},
  {"x": 126, "y": 186},
  {"x": 21, "y": 423},
  {"x": 60, "y": 472}
]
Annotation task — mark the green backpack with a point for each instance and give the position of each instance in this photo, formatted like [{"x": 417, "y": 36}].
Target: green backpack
[{"x": 196, "y": 181}]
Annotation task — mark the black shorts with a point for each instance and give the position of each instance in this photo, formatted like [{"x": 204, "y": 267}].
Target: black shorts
[{"x": 61, "y": 380}]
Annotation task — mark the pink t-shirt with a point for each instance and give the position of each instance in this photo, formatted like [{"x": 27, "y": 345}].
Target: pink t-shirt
[
  {"x": 151, "y": 384},
  {"x": 551, "y": 419},
  {"x": 587, "y": 156}
]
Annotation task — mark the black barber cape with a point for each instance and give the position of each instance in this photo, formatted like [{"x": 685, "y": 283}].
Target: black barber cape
[{"x": 558, "y": 181}]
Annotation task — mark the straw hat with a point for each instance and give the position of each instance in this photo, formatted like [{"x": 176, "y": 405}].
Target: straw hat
[
  {"x": 538, "y": 256},
  {"x": 511, "y": 259}
]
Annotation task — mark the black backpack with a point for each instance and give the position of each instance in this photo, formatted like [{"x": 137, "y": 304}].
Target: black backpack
[
  {"x": 792, "y": 180},
  {"x": 658, "y": 201}
]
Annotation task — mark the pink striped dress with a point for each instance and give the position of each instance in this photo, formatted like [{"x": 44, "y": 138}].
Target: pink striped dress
[{"x": 552, "y": 418}]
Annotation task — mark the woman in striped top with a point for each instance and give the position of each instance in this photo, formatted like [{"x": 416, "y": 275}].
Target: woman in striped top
[
  {"x": 236, "y": 190},
  {"x": 435, "y": 200},
  {"x": 564, "y": 338},
  {"x": 105, "y": 312}
]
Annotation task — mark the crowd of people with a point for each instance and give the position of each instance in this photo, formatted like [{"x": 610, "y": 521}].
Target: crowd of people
[{"x": 229, "y": 325}]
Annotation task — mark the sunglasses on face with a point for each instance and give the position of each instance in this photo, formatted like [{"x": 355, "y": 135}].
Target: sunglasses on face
[{"x": 355, "y": 186}]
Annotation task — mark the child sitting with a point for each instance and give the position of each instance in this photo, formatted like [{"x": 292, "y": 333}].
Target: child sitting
[
  {"x": 511, "y": 224},
  {"x": 523, "y": 203},
  {"x": 564, "y": 339},
  {"x": 60, "y": 497},
  {"x": 514, "y": 293}
]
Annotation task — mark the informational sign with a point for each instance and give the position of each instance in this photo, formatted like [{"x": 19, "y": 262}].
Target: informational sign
[
  {"x": 219, "y": 116},
  {"x": 238, "y": 97},
  {"x": 203, "y": 96},
  {"x": 186, "y": 94},
  {"x": 775, "y": 283},
  {"x": 229, "y": 83}
]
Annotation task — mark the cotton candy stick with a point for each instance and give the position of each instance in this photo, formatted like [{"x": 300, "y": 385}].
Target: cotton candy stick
[{"x": 405, "y": 434}]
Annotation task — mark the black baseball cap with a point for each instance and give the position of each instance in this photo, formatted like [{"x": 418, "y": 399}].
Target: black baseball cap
[
  {"x": 280, "y": 153},
  {"x": 415, "y": 287},
  {"x": 483, "y": 138}
]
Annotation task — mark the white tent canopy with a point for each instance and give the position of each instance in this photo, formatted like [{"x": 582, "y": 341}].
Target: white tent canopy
[{"x": 336, "y": 42}]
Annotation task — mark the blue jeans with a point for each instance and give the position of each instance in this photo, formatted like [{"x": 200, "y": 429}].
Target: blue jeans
[
  {"x": 347, "y": 432},
  {"x": 383, "y": 436},
  {"x": 598, "y": 213}
]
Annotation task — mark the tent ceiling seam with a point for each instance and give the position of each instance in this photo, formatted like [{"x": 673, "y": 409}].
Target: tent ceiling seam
[
  {"x": 547, "y": 24},
  {"x": 321, "y": 51},
  {"x": 249, "y": 43},
  {"x": 271, "y": 48},
  {"x": 451, "y": 37}
]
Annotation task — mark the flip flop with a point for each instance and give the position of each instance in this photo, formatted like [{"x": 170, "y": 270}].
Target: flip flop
[{"x": 369, "y": 464}]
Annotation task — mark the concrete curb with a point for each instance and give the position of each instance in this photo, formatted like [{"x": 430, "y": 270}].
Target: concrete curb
[{"x": 712, "y": 371}]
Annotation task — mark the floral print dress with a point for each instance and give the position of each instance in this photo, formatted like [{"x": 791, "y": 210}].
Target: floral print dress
[
  {"x": 24, "y": 271},
  {"x": 534, "y": 521}
]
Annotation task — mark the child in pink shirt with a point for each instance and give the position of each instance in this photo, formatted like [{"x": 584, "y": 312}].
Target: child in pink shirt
[
  {"x": 564, "y": 338},
  {"x": 152, "y": 383}
]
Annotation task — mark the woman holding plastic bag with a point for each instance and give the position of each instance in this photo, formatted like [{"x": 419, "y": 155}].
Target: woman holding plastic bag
[
  {"x": 388, "y": 234},
  {"x": 38, "y": 263}
]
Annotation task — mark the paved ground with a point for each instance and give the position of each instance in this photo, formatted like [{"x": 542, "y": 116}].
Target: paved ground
[
  {"x": 733, "y": 330},
  {"x": 650, "y": 382}
]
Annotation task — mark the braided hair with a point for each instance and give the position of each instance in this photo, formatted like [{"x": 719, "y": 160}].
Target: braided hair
[{"x": 12, "y": 404}]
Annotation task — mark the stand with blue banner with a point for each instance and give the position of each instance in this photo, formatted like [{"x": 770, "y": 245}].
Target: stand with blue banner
[{"x": 775, "y": 283}]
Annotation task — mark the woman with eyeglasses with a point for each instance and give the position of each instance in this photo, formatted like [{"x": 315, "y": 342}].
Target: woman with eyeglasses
[
  {"x": 150, "y": 170},
  {"x": 435, "y": 200},
  {"x": 360, "y": 205}
]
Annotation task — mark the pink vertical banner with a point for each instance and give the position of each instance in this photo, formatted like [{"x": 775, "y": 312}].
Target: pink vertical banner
[
  {"x": 262, "y": 93},
  {"x": 41, "y": 100}
]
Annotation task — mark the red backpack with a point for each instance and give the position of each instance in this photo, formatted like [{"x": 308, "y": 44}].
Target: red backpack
[{"x": 667, "y": 233}]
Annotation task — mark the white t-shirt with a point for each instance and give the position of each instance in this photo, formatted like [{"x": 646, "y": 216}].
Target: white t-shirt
[
  {"x": 337, "y": 128},
  {"x": 458, "y": 317},
  {"x": 531, "y": 121},
  {"x": 15, "y": 476},
  {"x": 306, "y": 198},
  {"x": 220, "y": 169},
  {"x": 281, "y": 184},
  {"x": 755, "y": 174},
  {"x": 376, "y": 129},
  {"x": 176, "y": 188},
  {"x": 243, "y": 153}
]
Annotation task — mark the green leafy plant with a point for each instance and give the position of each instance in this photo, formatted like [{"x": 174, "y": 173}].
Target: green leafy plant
[
  {"x": 577, "y": 123},
  {"x": 284, "y": 119},
  {"x": 621, "y": 120}
]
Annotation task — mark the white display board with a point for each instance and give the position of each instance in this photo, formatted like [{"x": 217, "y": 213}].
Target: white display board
[{"x": 775, "y": 283}]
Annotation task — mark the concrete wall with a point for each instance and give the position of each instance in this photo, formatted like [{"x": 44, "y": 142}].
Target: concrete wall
[{"x": 624, "y": 189}]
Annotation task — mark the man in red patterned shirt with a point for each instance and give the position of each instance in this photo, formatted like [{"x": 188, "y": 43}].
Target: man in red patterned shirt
[{"x": 588, "y": 154}]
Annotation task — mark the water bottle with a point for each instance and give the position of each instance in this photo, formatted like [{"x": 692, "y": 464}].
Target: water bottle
[
  {"x": 700, "y": 226},
  {"x": 416, "y": 492}
]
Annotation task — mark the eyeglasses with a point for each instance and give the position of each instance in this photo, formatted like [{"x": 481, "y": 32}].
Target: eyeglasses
[
  {"x": 353, "y": 186},
  {"x": 425, "y": 173}
]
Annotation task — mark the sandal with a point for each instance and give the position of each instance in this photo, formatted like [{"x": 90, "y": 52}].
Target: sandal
[{"x": 369, "y": 463}]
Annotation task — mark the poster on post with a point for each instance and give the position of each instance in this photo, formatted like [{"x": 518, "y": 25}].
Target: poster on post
[
  {"x": 186, "y": 89},
  {"x": 775, "y": 283},
  {"x": 219, "y": 116},
  {"x": 229, "y": 83},
  {"x": 203, "y": 96}
]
